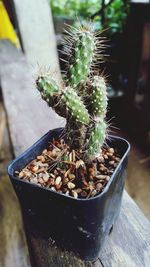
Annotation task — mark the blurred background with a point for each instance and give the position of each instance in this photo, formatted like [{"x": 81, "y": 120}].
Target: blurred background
[{"x": 36, "y": 28}]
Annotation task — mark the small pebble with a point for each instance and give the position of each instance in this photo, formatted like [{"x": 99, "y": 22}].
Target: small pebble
[
  {"x": 58, "y": 186},
  {"x": 71, "y": 185},
  {"x": 102, "y": 177},
  {"x": 53, "y": 188},
  {"x": 71, "y": 176},
  {"x": 111, "y": 162},
  {"x": 58, "y": 180},
  {"x": 44, "y": 151},
  {"x": 45, "y": 177},
  {"x": 93, "y": 193},
  {"x": 34, "y": 180},
  {"x": 83, "y": 193},
  {"x": 111, "y": 150},
  {"x": 21, "y": 174},
  {"x": 75, "y": 194},
  {"x": 107, "y": 178},
  {"x": 41, "y": 181},
  {"x": 41, "y": 158},
  {"x": 35, "y": 169},
  {"x": 67, "y": 193},
  {"x": 99, "y": 186}
]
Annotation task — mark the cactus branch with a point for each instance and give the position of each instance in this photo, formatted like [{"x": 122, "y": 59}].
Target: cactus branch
[
  {"x": 96, "y": 135},
  {"x": 98, "y": 97}
]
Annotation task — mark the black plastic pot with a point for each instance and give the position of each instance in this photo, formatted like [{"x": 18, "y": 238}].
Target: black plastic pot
[{"x": 80, "y": 225}]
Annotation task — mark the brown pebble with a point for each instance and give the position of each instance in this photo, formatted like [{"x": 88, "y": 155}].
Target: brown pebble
[
  {"x": 58, "y": 186},
  {"x": 109, "y": 154},
  {"x": 83, "y": 193},
  {"x": 35, "y": 169},
  {"x": 53, "y": 188},
  {"x": 45, "y": 177},
  {"x": 111, "y": 150},
  {"x": 78, "y": 190},
  {"x": 41, "y": 158},
  {"x": 51, "y": 181},
  {"x": 75, "y": 194},
  {"x": 94, "y": 192},
  {"x": 71, "y": 185},
  {"x": 107, "y": 178},
  {"x": 99, "y": 186},
  {"x": 111, "y": 162},
  {"x": 91, "y": 171},
  {"x": 55, "y": 172},
  {"x": 101, "y": 159},
  {"x": 44, "y": 151},
  {"x": 52, "y": 175},
  {"x": 58, "y": 180},
  {"x": 102, "y": 177},
  {"x": 71, "y": 176},
  {"x": 65, "y": 180},
  {"x": 102, "y": 168},
  {"x": 67, "y": 193},
  {"x": 34, "y": 180},
  {"x": 21, "y": 174},
  {"x": 41, "y": 181},
  {"x": 91, "y": 178}
]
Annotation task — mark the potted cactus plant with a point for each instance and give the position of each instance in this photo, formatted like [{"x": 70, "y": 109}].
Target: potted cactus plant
[{"x": 70, "y": 183}]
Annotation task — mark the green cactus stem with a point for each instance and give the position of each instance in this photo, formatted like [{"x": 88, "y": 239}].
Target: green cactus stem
[
  {"x": 83, "y": 52},
  {"x": 47, "y": 86},
  {"x": 97, "y": 135},
  {"x": 75, "y": 106},
  {"x": 51, "y": 93},
  {"x": 98, "y": 97},
  {"x": 76, "y": 134}
]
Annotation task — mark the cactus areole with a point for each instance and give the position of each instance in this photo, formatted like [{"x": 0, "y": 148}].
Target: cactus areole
[{"x": 82, "y": 99}]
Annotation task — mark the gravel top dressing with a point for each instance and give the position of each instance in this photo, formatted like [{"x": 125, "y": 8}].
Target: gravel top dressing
[{"x": 64, "y": 171}]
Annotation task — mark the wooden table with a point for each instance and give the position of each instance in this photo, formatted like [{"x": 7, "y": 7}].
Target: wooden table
[{"x": 28, "y": 117}]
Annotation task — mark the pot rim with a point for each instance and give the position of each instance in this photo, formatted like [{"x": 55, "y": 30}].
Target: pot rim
[{"x": 10, "y": 169}]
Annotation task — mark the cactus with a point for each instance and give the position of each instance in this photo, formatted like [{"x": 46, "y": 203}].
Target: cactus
[{"x": 84, "y": 110}]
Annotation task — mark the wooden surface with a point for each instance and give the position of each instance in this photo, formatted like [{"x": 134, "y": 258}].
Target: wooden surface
[
  {"x": 129, "y": 243},
  {"x": 37, "y": 33},
  {"x": 13, "y": 248},
  {"x": 29, "y": 117},
  {"x": 2, "y": 123}
]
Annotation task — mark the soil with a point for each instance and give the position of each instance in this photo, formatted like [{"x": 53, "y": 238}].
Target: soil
[{"x": 64, "y": 171}]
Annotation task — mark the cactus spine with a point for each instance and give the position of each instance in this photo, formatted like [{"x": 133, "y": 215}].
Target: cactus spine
[{"x": 85, "y": 113}]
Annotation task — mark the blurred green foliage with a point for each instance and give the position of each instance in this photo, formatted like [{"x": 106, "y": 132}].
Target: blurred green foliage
[
  {"x": 73, "y": 8},
  {"x": 114, "y": 14}
]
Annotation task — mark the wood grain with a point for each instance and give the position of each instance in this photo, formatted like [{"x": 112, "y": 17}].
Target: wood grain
[
  {"x": 2, "y": 123},
  {"x": 13, "y": 248},
  {"x": 28, "y": 116},
  {"x": 129, "y": 243}
]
